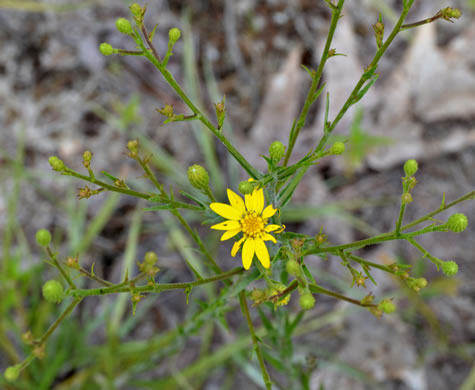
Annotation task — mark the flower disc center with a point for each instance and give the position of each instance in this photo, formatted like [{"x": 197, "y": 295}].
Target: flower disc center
[{"x": 252, "y": 224}]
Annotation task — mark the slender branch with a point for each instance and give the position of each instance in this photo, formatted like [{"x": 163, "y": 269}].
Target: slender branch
[
  {"x": 158, "y": 287},
  {"x": 319, "y": 289},
  {"x": 53, "y": 327},
  {"x": 56, "y": 263},
  {"x": 336, "y": 11},
  {"x": 374, "y": 63},
  {"x": 255, "y": 341}
]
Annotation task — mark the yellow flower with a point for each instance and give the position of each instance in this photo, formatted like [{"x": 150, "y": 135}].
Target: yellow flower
[{"x": 249, "y": 217}]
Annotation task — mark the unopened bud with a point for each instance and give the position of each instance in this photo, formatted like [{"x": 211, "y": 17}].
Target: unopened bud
[
  {"x": 245, "y": 187},
  {"x": 198, "y": 177},
  {"x": 457, "y": 222},
  {"x": 124, "y": 26},
  {"x": 43, "y": 237},
  {"x": 450, "y": 268},
  {"x": 56, "y": 164},
  {"x": 307, "y": 301},
  {"x": 53, "y": 291},
  {"x": 410, "y": 167},
  {"x": 276, "y": 151},
  {"x": 337, "y": 148},
  {"x": 107, "y": 49}
]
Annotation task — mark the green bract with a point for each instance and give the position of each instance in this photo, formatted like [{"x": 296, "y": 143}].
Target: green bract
[
  {"x": 198, "y": 177},
  {"x": 123, "y": 26},
  {"x": 387, "y": 306},
  {"x": 450, "y": 268},
  {"x": 56, "y": 163},
  {"x": 174, "y": 34},
  {"x": 307, "y": 301},
  {"x": 245, "y": 187},
  {"x": 53, "y": 291},
  {"x": 43, "y": 237},
  {"x": 337, "y": 148},
  {"x": 276, "y": 151},
  {"x": 11, "y": 373},
  {"x": 457, "y": 222},
  {"x": 410, "y": 167},
  {"x": 106, "y": 49},
  {"x": 292, "y": 267}
]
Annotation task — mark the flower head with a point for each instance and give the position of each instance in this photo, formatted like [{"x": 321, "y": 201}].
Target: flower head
[{"x": 250, "y": 218}]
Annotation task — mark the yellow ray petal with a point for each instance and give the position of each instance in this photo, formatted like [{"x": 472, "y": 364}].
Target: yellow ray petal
[
  {"x": 268, "y": 212},
  {"x": 229, "y": 234},
  {"x": 262, "y": 253},
  {"x": 268, "y": 237},
  {"x": 236, "y": 201},
  {"x": 236, "y": 247},
  {"x": 272, "y": 228},
  {"x": 258, "y": 200},
  {"x": 248, "y": 250},
  {"x": 227, "y": 225},
  {"x": 226, "y": 211},
  {"x": 249, "y": 202}
]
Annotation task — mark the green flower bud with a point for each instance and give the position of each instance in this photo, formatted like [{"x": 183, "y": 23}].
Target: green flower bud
[
  {"x": 276, "y": 151},
  {"x": 245, "y": 187},
  {"x": 198, "y": 177},
  {"x": 387, "y": 306},
  {"x": 406, "y": 198},
  {"x": 337, "y": 148},
  {"x": 150, "y": 258},
  {"x": 450, "y": 268},
  {"x": 107, "y": 49},
  {"x": 174, "y": 35},
  {"x": 457, "y": 222},
  {"x": 307, "y": 301},
  {"x": 292, "y": 267},
  {"x": 410, "y": 167},
  {"x": 43, "y": 237},
  {"x": 421, "y": 282},
  {"x": 136, "y": 9},
  {"x": 449, "y": 12},
  {"x": 87, "y": 156},
  {"x": 124, "y": 26},
  {"x": 11, "y": 373},
  {"x": 56, "y": 164},
  {"x": 53, "y": 291}
]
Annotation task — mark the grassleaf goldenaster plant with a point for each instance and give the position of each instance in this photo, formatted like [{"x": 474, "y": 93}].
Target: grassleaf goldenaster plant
[{"x": 251, "y": 218}]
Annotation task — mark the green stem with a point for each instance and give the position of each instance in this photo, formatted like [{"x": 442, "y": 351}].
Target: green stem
[
  {"x": 94, "y": 277},
  {"x": 53, "y": 327},
  {"x": 126, "y": 191},
  {"x": 374, "y": 63},
  {"x": 336, "y": 11},
  {"x": 155, "y": 60},
  {"x": 443, "y": 207},
  {"x": 402, "y": 208},
  {"x": 370, "y": 264},
  {"x": 424, "y": 251},
  {"x": 315, "y": 288},
  {"x": 52, "y": 257},
  {"x": 255, "y": 341},
  {"x": 125, "y": 288}
]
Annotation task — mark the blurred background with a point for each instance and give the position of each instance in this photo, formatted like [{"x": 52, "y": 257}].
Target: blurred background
[{"x": 60, "y": 96}]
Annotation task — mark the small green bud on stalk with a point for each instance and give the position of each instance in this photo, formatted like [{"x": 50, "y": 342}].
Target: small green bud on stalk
[
  {"x": 457, "y": 222},
  {"x": 245, "y": 187},
  {"x": 450, "y": 268},
  {"x": 276, "y": 151},
  {"x": 198, "y": 177},
  {"x": 123, "y": 26},
  {"x": 337, "y": 148},
  {"x": 133, "y": 147},
  {"x": 43, "y": 237},
  {"x": 292, "y": 267},
  {"x": 107, "y": 49},
  {"x": 220, "y": 112},
  {"x": 410, "y": 167},
  {"x": 421, "y": 282},
  {"x": 406, "y": 198},
  {"x": 387, "y": 306},
  {"x": 150, "y": 258},
  {"x": 174, "y": 34},
  {"x": 136, "y": 9},
  {"x": 307, "y": 301},
  {"x": 449, "y": 13},
  {"x": 12, "y": 373},
  {"x": 56, "y": 164},
  {"x": 87, "y": 155},
  {"x": 378, "y": 28},
  {"x": 53, "y": 291}
]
